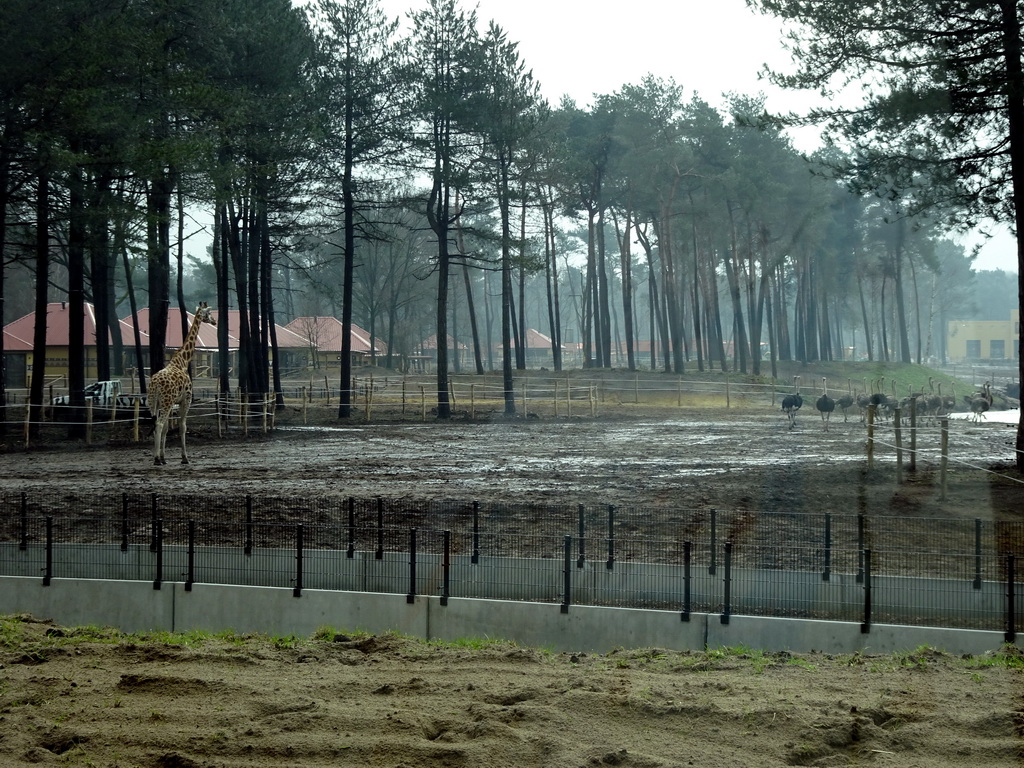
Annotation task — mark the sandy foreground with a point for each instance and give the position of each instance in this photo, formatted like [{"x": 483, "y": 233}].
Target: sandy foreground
[{"x": 92, "y": 697}]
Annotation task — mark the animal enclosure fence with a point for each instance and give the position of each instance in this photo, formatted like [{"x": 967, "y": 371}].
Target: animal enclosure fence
[{"x": 957, "y": 573}]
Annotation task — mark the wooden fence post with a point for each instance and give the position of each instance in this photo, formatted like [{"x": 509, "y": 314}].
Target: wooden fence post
[
  {"x": 944, "y": 462},
  {"x": 898, "y": 431},
  {"x": 871, "y": 435}
]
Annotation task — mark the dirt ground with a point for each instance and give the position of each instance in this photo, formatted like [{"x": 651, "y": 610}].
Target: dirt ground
[{"x": 94, "y": 698}]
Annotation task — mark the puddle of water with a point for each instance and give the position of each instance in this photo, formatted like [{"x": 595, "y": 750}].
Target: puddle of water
[{"x": 993, "y": 417}]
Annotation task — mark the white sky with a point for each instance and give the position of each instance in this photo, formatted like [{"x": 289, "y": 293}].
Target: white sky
[{"x": 710, "y": 47}]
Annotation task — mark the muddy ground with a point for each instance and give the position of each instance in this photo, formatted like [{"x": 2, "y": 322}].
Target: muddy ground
[
  {"x": 743, "y": 458},
  {"x": 100, "y": 699}
]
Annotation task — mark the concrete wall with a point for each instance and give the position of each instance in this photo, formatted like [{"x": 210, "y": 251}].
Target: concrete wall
[
  {"x": 135, "y": 606},
  {"x": 646, "y": 585}
]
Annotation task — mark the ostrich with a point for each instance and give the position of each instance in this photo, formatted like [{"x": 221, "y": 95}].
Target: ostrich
[
  {"x": 980, "y": 401},
  {"x": 825, "y": 404},
  {"x": 877, "y": 398},
  {"x": 933, "y": 402},
  {"x": 863, "y": 401},
  {"x": 791, "y": 403},
  {"x": 843, "y": 402}
]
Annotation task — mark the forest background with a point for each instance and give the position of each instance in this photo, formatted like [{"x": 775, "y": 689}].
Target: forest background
[{"x": 412, "y": 180}]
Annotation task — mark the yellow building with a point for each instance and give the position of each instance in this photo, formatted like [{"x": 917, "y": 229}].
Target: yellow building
[{"x": 970, "y": 340}]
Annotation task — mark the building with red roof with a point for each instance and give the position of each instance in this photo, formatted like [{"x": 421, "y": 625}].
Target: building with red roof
[
  {"x": 18, "y": 336},
  {"x": 324, "y": 335}
]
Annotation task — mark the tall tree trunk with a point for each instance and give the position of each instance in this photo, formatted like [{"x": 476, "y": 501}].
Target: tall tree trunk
[
  {"x": 884, "y": 325},
  {"x": 732, "y": 260},
  {"x": 671, "y": 290},
  {"x": 232, "y": 224},
  {"x": 626, "y": 267},
  {"x": 5, "y": 176},
  {"x": 901, "y": 310},
  {"x": 121, "y": 246},
  {"x": 507, "y": 310},
  {"x": 773, "y": 340},
  {"x": 101, "y": 277},
  {"x": 42, "y": 254},
  {"x": 603, "y": 306},
  {"x": 551, "y": 280},
  {"x": 158, "y": 205},
  {"x": 698, "y": 333},
  {"x": 1015, "y": 115},
  {"x": 348, "y": 204},
  {"x": 917, "y": 311},
  {"x": 222, "y": 267},
  {"x": 590, "y": 325},
  {"x": 180, "y": 268},
  {"x": 865, "y": 317},
  {"x": 76, "y": 301},
  {"x": 522, "y": 350}
]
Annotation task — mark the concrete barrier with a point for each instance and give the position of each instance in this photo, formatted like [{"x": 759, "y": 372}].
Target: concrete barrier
[{"x": 135, "y": 606}]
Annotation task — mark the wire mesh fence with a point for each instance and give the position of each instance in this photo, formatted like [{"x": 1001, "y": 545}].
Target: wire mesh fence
[{"x": 918, "y": 571}]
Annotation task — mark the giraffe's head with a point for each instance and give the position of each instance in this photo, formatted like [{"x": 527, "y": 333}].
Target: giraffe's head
[{"x": 205, "y": 314}]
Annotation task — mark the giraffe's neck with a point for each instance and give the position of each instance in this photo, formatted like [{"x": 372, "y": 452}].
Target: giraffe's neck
[{"x": 183, "y": 356}]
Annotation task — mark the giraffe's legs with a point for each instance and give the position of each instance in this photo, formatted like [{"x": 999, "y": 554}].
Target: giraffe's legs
[
  {"x": 182, "y": 415},
  {"x": 160, "y": 437}
]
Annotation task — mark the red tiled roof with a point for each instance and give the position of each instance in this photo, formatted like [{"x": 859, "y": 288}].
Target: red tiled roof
[
  {"x": 18, "y": 333},
  {"x": 535, "y": 340},
  {"x": 286, "y": 338},
  {"x": 207, "y": 333},
  {"x": 325, "y": 333}
]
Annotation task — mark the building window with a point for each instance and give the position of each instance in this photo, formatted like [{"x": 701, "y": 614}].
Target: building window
[
  {"x": 997, "y": 349},
  {"x": 974, "y": 349}
]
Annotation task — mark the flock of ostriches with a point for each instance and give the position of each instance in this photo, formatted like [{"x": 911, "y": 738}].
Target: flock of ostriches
[{"x": 932, "y": 404}]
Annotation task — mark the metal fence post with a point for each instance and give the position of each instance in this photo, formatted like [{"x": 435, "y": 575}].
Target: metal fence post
[
  {"x": 351, "y": 551},
  {"x": 446, "y": 567},
  {"x": 582, "y": 531},
  {"x": 379, "y": 554},
  {"x": 411, "y": 595},
  {"x": 48, "y": 568},
  {"x": 158, "y": 539},
  {"x": 297, "y": 590},
  {"x": 713, "y": 565},
  {"x": 827, "y": 573},
  {"x": 154, "y": 514},
  {"x": 566, "y": 574},
  {"x": 190, "y": 574},
  {"x": 685, "y": 615},
  {"x": 977, "y": 553},
  {"x": 248, "y": 525},
  {"x": 860, "y": 548},
  {"x": 727, "y": 585},
  {"x": 1011, "y": 600},
  {"x": 476, "y": 533},
  {"x": 124, "y": 522},
  {"x": 611, "y": 537},
  {"x": 23, "y": 539},
  {"x": 865, "y": 626}
]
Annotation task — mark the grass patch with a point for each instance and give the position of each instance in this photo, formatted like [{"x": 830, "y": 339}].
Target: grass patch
[{"x": 1007, "y": 657}]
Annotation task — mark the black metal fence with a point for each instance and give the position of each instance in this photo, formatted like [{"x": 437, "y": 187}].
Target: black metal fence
[{"x": 903, "y": 570}]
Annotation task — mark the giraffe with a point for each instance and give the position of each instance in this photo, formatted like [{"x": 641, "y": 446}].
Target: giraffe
[{"x": 172, "y": 385}]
